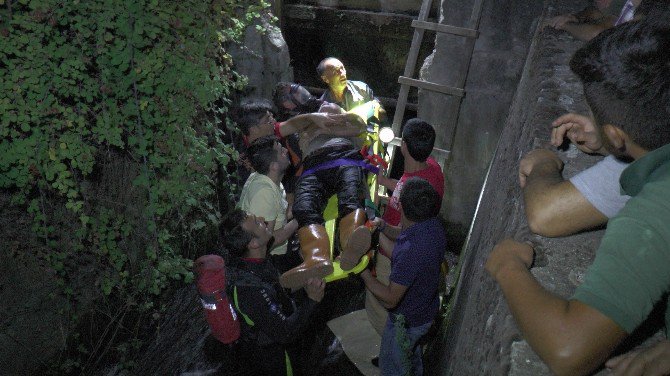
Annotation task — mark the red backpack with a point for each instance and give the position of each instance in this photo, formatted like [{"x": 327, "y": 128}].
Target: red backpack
[{"x": 211, "y": 282}]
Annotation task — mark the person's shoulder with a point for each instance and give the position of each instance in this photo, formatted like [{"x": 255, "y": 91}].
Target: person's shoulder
[
  {"x": 433, "y": 165},
  {"x": 360, "y": 85},
  {"x": 326, "y": 96},
  {"x": 435, "y": 228},
  {"x": 260, "y": 181},
  {"x": 260, "y": 185}
]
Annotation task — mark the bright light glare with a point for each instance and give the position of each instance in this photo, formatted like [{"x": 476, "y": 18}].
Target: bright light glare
[
  {"x": 386, "y": 135},
  {"x": 366, "y": 110}
]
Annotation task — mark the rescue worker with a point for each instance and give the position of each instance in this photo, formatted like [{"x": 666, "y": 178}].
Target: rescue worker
[{"x": 270, "y": 318}]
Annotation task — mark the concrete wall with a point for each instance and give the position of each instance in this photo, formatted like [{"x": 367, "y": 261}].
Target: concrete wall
[
  {"x": 505, "y": 28},
  {"x": 481, "y": 336}
]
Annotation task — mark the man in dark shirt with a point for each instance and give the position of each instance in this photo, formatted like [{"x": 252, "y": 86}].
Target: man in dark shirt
[
  {"x": 270, "y": 318},
  {"x": 412, "y": 294}
]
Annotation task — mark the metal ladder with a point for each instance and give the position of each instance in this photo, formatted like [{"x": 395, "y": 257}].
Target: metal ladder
[{"x": 406, "y": 81}]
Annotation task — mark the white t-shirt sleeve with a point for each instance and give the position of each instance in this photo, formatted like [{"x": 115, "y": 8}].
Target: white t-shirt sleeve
[{"x": 600, "y": 185}]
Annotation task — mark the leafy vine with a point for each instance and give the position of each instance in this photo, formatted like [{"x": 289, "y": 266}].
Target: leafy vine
[{"x": 110, "y": 137}]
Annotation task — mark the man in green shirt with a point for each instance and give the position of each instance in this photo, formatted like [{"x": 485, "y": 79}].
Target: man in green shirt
[{"x": 626, "y": 77}]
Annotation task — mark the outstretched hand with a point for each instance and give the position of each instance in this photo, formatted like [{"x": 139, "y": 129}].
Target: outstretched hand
[
  {"x": 535, "y": 158},
  {"x": 315, "y": 288},
  {"x": 580, "y": 130},
  {"x": 509, "y": 253},
  {"x": 651, "y": 361}
]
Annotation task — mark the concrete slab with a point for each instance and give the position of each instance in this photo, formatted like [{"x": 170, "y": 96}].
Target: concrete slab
[{"x": 359, "y": 340}]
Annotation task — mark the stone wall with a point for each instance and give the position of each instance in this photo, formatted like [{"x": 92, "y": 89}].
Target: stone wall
[
  {"x": 500, "y": 50},
  {"x": 481, "y": 336},
  {"x": 263, "y": 58}
]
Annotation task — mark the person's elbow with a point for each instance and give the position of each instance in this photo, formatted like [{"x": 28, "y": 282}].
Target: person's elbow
[
  {"x": 391, "y": 301},
  {"x": 570, "y": 362},
  {"x": 389, "y": 304},
  {"x": 542, "y": 221}
]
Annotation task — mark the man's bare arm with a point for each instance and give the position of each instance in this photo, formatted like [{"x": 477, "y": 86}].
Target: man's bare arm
[
  {"x": 282, "y": 234},
  {"x": 387, "y": 182},
  {"x": 391, "y": 232},
  {"x": 554, "y": 207},
  {"x": 389, "y": 296},
  {"x": 570, "y": 337},
  {"x": 344, "y": 125}
]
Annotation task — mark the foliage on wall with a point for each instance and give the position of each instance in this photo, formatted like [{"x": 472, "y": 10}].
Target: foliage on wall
[{"x": 110, "y": 138}]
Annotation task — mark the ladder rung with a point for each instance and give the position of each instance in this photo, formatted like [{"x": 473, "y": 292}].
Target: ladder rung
[
  {"x": 448, "y": 29},
  {"x": 431, "y": 86}
]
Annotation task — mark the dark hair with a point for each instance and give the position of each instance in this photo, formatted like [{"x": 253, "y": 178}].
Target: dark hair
[
  {"x": 419, "y": 137},
  {"x": 658, "y": 9},
  {"x": 301, "y": 98},
  {"x": 626, "y": 75},
  {"x": 261, "y": 153},
  {"x": 321, "y": 68},
  {"x": 233, "y": 236},
  {"x": 250, "y": 113},
  {"x": 419, "y": 200}
]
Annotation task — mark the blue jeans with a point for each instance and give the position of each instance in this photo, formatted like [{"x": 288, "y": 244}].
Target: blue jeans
[{"x": 400, "y": 353}]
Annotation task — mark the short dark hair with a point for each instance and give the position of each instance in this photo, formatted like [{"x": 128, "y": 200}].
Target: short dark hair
[
  {"x": 419, "y": 136},
  {"x": 233, "y": 236},
  {"x": 419, "y": 200},
  {"x": 626, "y": 75},
  {"x": 250, "y": 113},
  {"x": 658, "y": 9},
  {"x": 321, "y": 68},
  {"x": 261, "y": 153}
]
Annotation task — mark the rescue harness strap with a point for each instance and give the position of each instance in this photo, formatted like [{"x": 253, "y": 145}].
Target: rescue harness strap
[{"x": 339, "y": 163}]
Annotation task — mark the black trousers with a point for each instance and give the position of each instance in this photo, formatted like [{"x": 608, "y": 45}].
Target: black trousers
[
  {"x": 313, "y": 190},
  {"x": 264, "y": 361}
]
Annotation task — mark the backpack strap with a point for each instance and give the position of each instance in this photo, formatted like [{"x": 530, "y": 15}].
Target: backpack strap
[
  {"x": 244, "y": 278},
  {"x": 237, "y": 306}
]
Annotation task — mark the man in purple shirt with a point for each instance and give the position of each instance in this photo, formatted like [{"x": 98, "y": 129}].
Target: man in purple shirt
[{"x": 412, "y": 295}]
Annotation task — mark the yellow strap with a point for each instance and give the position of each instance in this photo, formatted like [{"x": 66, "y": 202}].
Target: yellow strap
[
  {"x": 289, "y": 369},
  {"x": 237, "y": 305}
]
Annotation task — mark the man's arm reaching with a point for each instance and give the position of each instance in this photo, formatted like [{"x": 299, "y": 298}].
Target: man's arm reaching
[
  {"x": 389, "y": 296},
  {"x": 554, "y": 207},
  {"x": 284, "y": 233},
  {"x": 343, "y": 125},
  {"x": 570, "y": 337},
  {"x": 587, "y": 31},
  {"x": 584, "y": 25}
]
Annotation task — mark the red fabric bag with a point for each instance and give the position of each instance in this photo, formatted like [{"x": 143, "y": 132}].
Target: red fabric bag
[{"x": 211, "y": 282}]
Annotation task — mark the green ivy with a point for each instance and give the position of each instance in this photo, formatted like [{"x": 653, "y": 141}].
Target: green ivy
[{"x": 140, "y": 83}]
